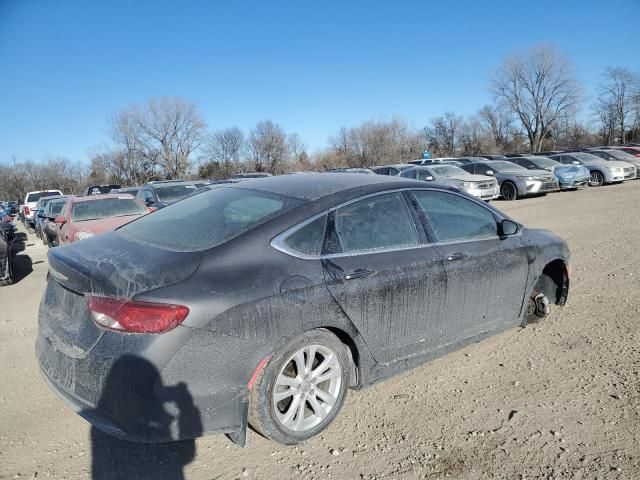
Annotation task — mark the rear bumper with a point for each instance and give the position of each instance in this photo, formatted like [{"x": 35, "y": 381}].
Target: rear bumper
[{"x": 139, "y": 398}]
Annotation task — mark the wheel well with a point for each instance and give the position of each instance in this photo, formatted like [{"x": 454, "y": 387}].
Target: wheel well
[
  {"x": 346, "y": 339},
  {"x": 554, "y": 281}
]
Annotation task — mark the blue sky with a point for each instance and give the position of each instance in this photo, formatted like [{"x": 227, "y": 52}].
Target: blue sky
[{"x": 66, "y": 66}]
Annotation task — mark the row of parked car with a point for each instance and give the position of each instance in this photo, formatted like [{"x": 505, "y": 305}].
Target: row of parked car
[{"x": 518, "y": 175}]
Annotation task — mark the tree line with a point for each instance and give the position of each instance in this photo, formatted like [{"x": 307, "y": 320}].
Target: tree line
[{"x": 537, "y": 101}]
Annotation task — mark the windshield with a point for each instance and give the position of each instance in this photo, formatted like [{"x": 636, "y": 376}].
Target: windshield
[
  {"x": 448, "y": 170},
  {"x": 587, "y": 157},
  {"x": 502, "y": 166},
  {"x": 542, "y": 162},
  {"x": 209, "y": 219},
  {"x": 106, "y": 208},
  {"x": 173, "y": 193},
  {"x": 34, "y": 197},
  {"x": 622, "y": 156}
]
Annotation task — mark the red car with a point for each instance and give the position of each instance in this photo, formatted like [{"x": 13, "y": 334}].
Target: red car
[
  {"x": 84, "y": 217},
  {"x": 635, "y": 151}
]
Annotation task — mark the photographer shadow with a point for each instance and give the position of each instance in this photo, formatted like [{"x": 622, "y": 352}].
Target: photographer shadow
[{"x": 134, "y": 391}]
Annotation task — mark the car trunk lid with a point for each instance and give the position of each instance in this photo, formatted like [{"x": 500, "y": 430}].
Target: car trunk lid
[{"x": 108, "y": 265}]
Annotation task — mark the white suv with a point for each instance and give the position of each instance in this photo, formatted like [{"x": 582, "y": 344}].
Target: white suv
[{"x": 29, "y": 205}]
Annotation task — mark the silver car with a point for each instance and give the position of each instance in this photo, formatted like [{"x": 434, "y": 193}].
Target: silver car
[
  {"x": 602, "y": 171},
  {"x": 515, "y": 181},
  {"x": 480, "y": 186},
  {"x": 610, "y": 154}
]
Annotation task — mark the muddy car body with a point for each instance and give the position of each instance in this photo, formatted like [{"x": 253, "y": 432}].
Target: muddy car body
[{"x": 279, "y": 295}]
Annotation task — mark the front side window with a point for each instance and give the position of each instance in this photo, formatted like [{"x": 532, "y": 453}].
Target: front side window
[
  {"x": 382, "y": 221},
  {"x": 454, "y": 218},
  {"x": 409, "y": 173}
]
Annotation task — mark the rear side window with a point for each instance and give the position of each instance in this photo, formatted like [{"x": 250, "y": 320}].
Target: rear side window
[
  {"x": 308, "y": 239},
  {"x": 208, "y": 219},
  {"x": 377, "y": 222},
  {"x": 452, "y": 217},
  {"x": 409, "y": 174}
]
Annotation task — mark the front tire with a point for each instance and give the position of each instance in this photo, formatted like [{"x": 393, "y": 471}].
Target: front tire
[
  {"x": 596, "y": 179},
  {"x": 509, "y": 191},
  {"x": 301, "y": 388}
]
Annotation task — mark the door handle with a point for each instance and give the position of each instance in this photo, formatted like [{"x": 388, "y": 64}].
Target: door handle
[
  {"x": 457, "y": 256},
  {"x": 360, "y": 273}
]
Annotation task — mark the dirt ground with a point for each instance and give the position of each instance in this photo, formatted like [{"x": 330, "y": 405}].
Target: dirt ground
[{"x": 560, "y": 399}]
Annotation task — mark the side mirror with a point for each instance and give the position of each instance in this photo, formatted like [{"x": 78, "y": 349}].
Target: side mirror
[
  {"x": 429, "y": 178},
  {"x": 507, "y": 228},
  {"x": 148, "y": 200},
  {"x": 575, "y": 162},
  {"x": 59, "y": 220},
  {"x": 490, "y": 173},
  {"x": 41, "y": 215}
]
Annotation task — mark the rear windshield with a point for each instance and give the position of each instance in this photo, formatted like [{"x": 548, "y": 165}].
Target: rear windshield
[
  {"x": 208, "y": 219},
  {"x": 173, "y": 193},
  {"x": 106, "y": 208},
  {"x": 101, "y": 189},
  {"x": 34, "y": 197}
]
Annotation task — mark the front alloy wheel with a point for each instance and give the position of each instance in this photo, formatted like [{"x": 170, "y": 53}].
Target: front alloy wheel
[
  {"x": 509, "y": 191},
  {"x": 300, "y": 390},
  {"x": 596, "y": 179}
]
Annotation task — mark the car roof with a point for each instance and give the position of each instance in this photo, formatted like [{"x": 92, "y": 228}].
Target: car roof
[
  {"x": 306, "y": 186},
  {"x": 171, "y": 184}
]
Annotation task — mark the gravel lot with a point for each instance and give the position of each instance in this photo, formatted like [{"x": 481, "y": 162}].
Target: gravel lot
[{"x": 560, "y": 399}]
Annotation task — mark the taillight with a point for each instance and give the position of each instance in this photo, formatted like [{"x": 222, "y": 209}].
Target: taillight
[
  {"x": 124, "y": 315},
  {"x": 26, "y": 210}
]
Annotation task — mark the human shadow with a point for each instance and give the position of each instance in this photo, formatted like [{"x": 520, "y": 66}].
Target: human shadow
[
  {"x": 134, "y": 396},
  {"x": 22, "y": 264}
]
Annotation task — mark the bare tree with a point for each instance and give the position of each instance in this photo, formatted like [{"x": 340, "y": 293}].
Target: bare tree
[
  {"x": 605, "y": 112},
  {"x": 225, "y": 149},
  {"x": 374, "y": 143},
  {"x": 268, "y": 146},
  {"x": 162, "y": 133},
  {"x": 443, "y": 132},
  {"x": 618, "y": 91},
  {"x": 537, "y": 86},
  {"x": 498, "y": 123}
]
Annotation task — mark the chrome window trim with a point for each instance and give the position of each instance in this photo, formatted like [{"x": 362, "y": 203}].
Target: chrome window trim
[{"x": 278, "y": 241}]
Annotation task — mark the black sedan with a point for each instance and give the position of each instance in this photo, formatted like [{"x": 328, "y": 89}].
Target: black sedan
[{"x": 276, "y": 297}]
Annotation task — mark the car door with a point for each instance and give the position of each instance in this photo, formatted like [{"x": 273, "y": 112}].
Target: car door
[
  {"x": 486, "y": 274},
  {"x": 383, "y": 274}
]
